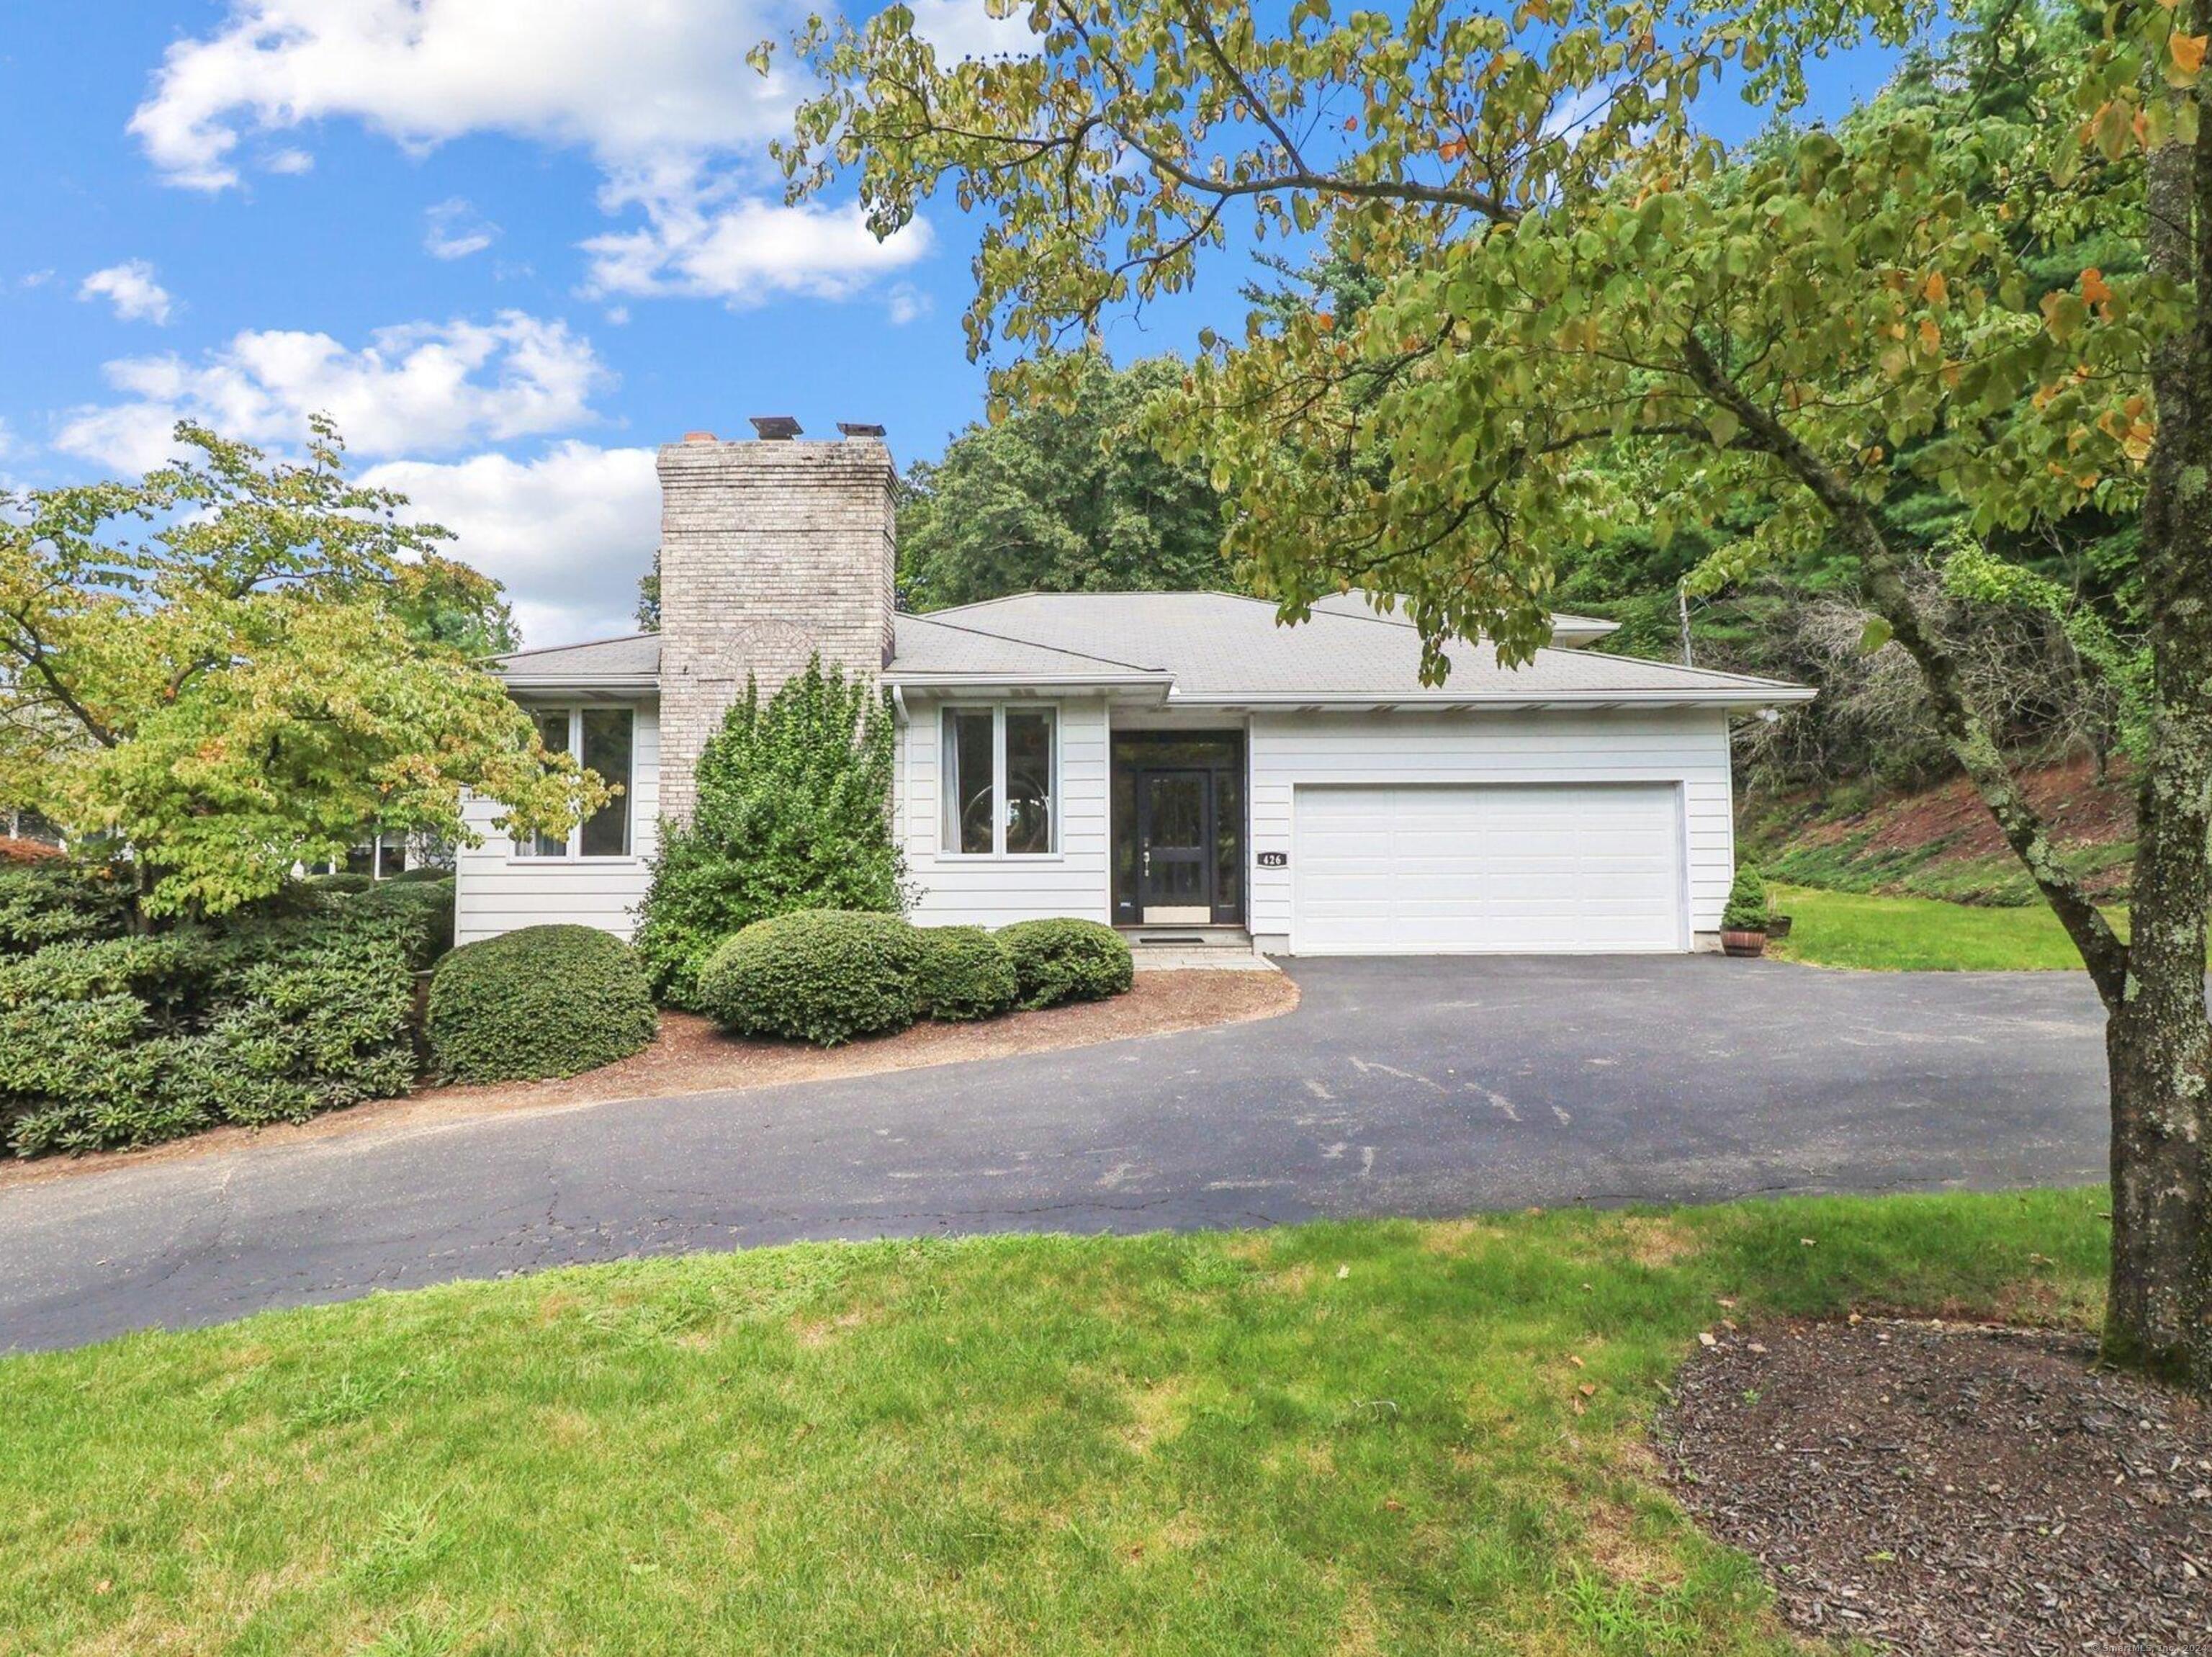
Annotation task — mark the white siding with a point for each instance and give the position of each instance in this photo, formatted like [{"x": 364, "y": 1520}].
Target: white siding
[
  {"x": 956, "y": 890},
  {"x": 496, "y": 891},
  {"x": 1686, "y": 747}
]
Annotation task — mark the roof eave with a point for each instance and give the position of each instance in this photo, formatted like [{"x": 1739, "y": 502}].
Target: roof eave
[
  {"x": 1160, "y": 682},
  {"x": 568, "y": 684},
  {"x": 1748, "y": 698}
]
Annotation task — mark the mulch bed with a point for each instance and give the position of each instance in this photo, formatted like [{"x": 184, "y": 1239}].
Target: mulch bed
[
  {"x": 692, "y": 1056},
  {"x": 1942, "y": 1490}
]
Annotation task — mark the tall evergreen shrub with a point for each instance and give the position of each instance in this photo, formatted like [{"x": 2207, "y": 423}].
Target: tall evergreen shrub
[{"x": 792, "y": 811}]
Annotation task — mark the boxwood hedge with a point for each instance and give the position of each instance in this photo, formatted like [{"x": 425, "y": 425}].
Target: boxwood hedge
[
  {"x": 1066, "y": 959},
  {"x": 547, "y": 1000},
  {"x": 964, "y": 974},
  {"x": 818, "y": 975}
]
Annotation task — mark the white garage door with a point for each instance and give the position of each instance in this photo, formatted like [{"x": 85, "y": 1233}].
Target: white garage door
[{"x": 1421, "y": 869}]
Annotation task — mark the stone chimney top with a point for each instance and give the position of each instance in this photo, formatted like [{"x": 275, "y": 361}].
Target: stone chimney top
[
  {"x": 699, "y": 437},
  {"x": 775, "y": 427}
]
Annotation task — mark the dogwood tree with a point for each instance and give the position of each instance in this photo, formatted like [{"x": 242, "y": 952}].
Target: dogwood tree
[
  {"x": 231, "y": 666},
  {"x": 1566, "y": 262}
]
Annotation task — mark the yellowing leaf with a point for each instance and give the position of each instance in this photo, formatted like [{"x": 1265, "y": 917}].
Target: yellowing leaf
[
  {"x": 1931, "y": 336},
  {"x": 2095, "y": 290},
  {"x": 2188, "y": 51},
  {"x": 1937, "y": 290}
]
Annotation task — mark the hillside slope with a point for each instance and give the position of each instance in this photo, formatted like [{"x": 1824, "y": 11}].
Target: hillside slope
[{"x": 1940, "y": 841}]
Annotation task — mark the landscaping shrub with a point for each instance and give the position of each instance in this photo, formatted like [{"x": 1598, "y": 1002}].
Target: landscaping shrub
[
  {"x": 964, "y": 974},
  {"x": 49, "y": 902},
  {"x": 426, "y": 903},
  {"x": 547, "y": 1000},
  {"x": 1067, "y": 959},
  {"x": 1746, "y": 902},
  {"x": 283, "y": 1011},
  {"x": 421, "y": 872},
  {"x": 343, "y": 880},
  {"x": 791, "y": 814},
  {"x": 824, "y": 976}
]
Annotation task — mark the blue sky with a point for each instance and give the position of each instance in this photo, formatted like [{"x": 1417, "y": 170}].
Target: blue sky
[{"x": 511, "y": 244}]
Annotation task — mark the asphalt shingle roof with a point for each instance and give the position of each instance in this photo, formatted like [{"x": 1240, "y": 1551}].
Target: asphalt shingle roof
[
  {"x": 1216, "y": 645},
  {"x": 1213, "y": 645}
]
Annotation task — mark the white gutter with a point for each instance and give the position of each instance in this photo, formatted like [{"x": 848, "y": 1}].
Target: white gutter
[{"x": 1730, "y": 696}]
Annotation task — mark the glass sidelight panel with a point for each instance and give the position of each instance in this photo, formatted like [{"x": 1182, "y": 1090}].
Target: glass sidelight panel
[
  {"x": 1228, "y": 845},
  {"x": 1029, "y": 780}
]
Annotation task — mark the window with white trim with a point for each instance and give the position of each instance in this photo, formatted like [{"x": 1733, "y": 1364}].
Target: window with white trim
[
  {"x": 1001, "y": 783},
  {"x": 605, "y": 740}
]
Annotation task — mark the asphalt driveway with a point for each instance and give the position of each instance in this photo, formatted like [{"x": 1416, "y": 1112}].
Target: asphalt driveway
[{"x": 1419, "y": 1087}]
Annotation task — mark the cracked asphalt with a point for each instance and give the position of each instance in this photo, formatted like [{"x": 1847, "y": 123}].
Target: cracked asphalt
[{"x": 1401, "y": 1087}]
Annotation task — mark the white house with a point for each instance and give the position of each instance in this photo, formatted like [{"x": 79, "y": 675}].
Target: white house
[{"x": 1167, "y": 762}]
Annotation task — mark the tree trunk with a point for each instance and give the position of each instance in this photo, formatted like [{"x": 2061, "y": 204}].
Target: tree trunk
[{"x": 2159, "y": 1042}]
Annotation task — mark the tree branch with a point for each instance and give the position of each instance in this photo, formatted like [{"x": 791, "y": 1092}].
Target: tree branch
[{"x": 1965, "y": 733}]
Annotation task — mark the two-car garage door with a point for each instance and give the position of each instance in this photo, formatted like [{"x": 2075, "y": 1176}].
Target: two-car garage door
[{"x": 1452, "y": 869}]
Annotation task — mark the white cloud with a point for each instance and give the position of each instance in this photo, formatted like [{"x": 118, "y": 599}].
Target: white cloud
[
  {"x": 454, "y": 230},
  {"x": 631, "y": 82},
  {"x": 420, "y": 387},
  {"x": 906, "y": 302},
  {"x": 36, "y": 278},
  {"x": 568, "y": 532},
  {"x": 289, "y": 162},
  {"x": 657, "y": 92},
  {"x": 965, "y": 28},
  {"x": 131, "y": 288},
  {"x": 747, "y": 252}
]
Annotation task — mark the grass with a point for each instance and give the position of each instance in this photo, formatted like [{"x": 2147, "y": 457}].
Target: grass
[
  {"x": 1921, "y": 935},
  {"x": 1337, "y": 1438},
  {"x": 1995, "y": 878}
]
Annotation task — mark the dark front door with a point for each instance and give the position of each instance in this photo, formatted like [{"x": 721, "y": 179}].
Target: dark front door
[
  {"x": 1178, "y": 828},
  {"x": 1175, "y": 841}
]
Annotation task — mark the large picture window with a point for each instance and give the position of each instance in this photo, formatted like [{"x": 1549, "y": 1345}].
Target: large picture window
[
  {"x": 1001, "y": 783},
  {"x": 603, "y": 739}
]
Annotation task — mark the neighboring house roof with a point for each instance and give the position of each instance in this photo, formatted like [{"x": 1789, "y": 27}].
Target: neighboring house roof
[{"x": 1204, "y": 647}]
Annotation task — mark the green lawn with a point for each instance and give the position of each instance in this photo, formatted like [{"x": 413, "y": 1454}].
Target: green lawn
[
  {"x": 1339, "y": 1438},
  {"x": 1921, "y": 935}
]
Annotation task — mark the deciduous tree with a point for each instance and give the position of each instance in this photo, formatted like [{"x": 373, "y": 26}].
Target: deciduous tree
[
  {"x": 233, "y": 665},
  {"x": 1569, "y": 264}
]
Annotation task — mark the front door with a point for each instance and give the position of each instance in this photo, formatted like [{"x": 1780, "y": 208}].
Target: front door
[{"x": 1175, "y": 847}]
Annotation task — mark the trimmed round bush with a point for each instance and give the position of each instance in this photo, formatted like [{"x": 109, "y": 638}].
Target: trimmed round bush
[
  {"x": 818, "y": 975},
  {"x": 965, "y": 974},
  {"x": 1068, "y": 959},
  {"x": 547, "y": 1000},
  {"x": 421, "y": 872},
  {"x": 345, "y": 883}
]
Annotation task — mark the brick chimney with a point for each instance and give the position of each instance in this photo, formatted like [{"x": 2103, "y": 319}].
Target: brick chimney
[{"x": 771, "y": 551}]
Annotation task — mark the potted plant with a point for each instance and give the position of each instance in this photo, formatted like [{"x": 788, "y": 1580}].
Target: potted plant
[{"x": 1743, "y": 922}]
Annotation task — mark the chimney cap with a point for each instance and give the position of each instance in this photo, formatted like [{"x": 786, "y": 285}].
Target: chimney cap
[
  {"x": 699, "y": 437},
  {"x": 775, "y": 427},
  {"x": 858, "y": 428}
]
